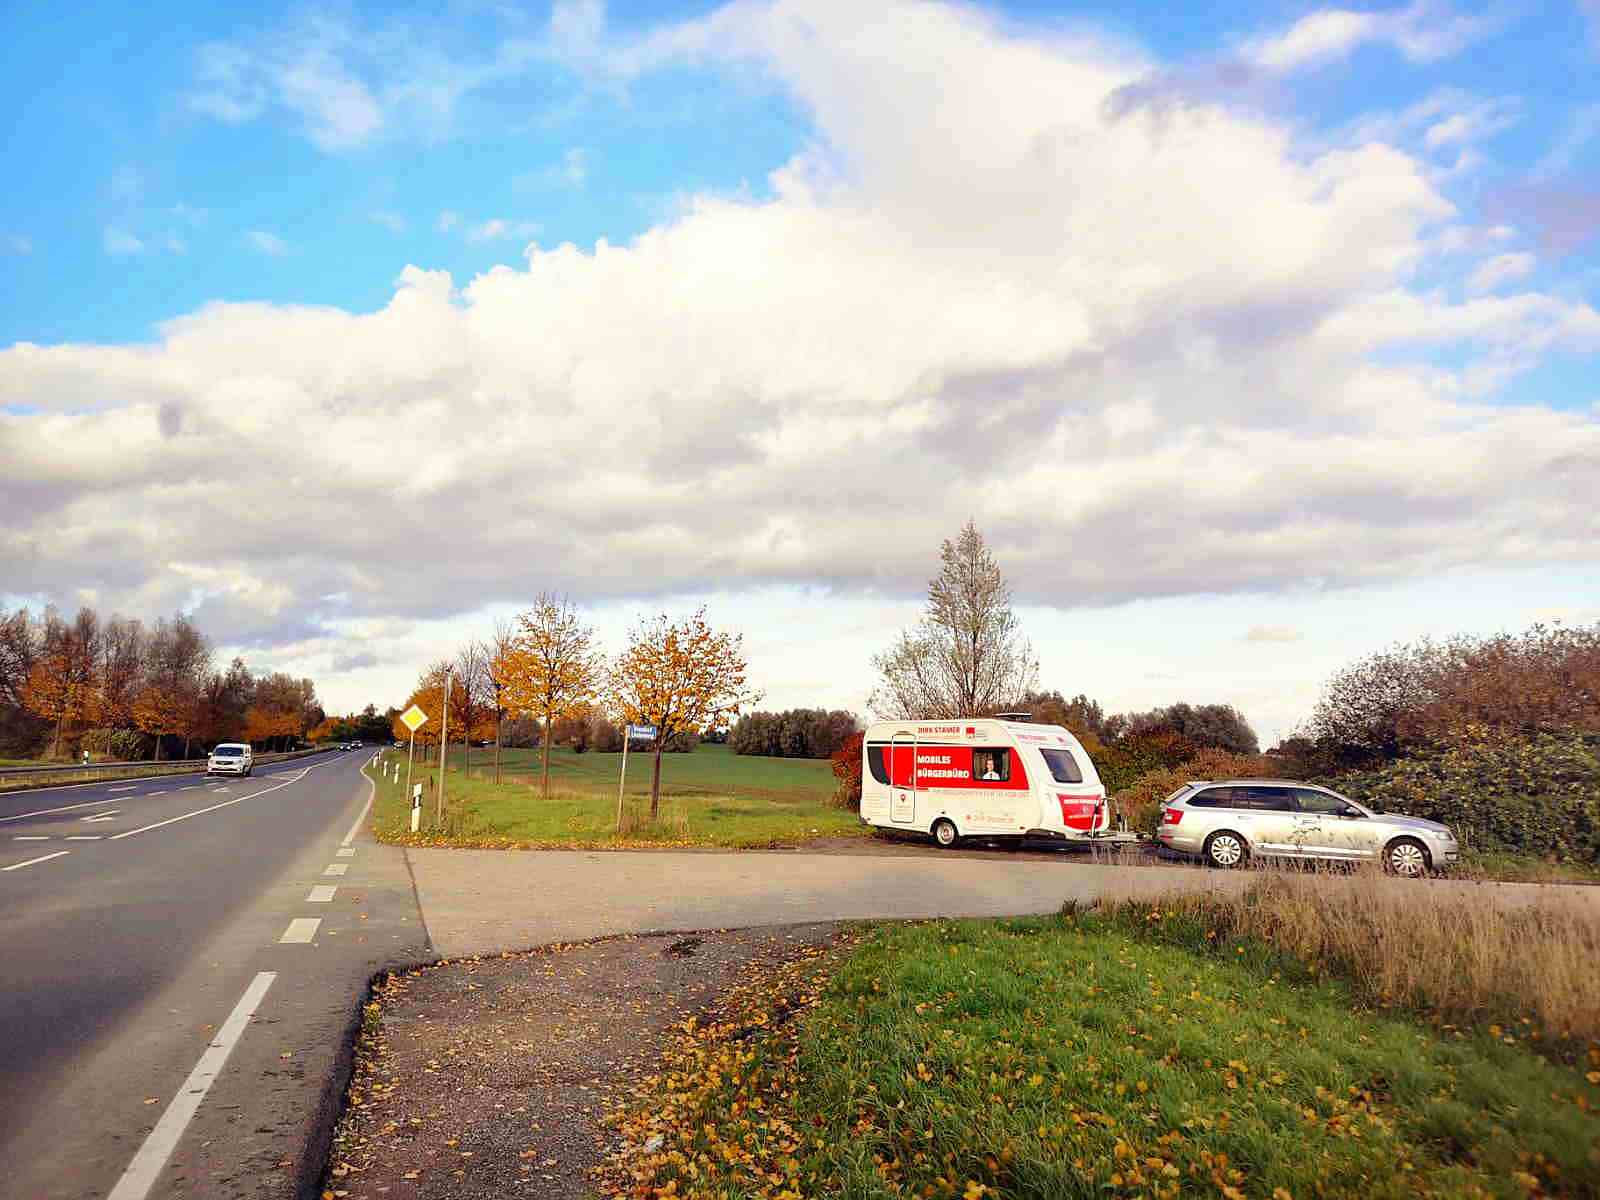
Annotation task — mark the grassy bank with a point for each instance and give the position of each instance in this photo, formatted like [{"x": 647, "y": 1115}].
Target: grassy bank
[
  {"x": 1089, "y": 1056},
  {"x": 708, "y": 798}
]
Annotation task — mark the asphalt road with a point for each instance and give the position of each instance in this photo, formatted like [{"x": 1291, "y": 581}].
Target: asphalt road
[{"x": 137, "y": 918}]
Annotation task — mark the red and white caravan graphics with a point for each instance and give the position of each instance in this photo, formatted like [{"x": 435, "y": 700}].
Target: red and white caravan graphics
[{"x": 982, "y": 777}]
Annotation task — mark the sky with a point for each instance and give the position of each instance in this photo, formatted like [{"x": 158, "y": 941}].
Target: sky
[{"x": 1254, "y": 336}]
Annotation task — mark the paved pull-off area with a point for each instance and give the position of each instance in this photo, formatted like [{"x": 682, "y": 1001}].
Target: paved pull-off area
[
  {"x": 486, "y": 901},
  {"x": 179, "y": 977}
]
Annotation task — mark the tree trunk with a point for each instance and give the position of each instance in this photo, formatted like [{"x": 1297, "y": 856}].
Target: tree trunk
[
  {"x": 655, "y": 776},
  {"x": 158, "y": 747},
  {"x": 544, "y": 751},
  {"x": 55, "y": 746},
  {"x": 187, "y": 738}
]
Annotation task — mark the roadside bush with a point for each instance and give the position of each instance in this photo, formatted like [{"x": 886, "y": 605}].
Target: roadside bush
[
  {"x": 605, "y": 736},
  {"x": 1141, "y": 800},
  {"x": 120, "y": 745},
  {"x": 1524, "y": 794},
  {"x": 1217, "y": 725},
  {"x": 847, "y": 770},
  {"x": 1127, "y": 760}
]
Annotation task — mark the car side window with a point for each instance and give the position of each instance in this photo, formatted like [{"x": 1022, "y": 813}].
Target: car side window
[
  {"x": 875, "y": 764},
  {"x": 1265, "y": 799},
  {"x": 1217, "y": 797},
  {"x": 1322, "y": 803}
]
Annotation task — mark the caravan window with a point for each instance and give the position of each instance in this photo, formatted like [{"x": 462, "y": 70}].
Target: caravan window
[
  {"x": 1063, "y": 766},
  {"x": 993, "y": 766},
  {"x": 875, "y": 762}
]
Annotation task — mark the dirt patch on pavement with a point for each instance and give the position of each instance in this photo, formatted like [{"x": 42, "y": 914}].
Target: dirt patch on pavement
[{"x": 485, "y": 1077}]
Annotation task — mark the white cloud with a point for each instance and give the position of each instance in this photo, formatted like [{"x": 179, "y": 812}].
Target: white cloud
[
  {"x": 266, "y": 243},
  {"x": 1153, "y": 355},
  {"x": 120, "y": 243},
  {"x": 1424, "y": 31},
  {"x": 1502, "y": 268},
  {"x": 1273, "y": 633},
  {"x": 496, "y": 228},
  {"x": 1583, "y": 126}
]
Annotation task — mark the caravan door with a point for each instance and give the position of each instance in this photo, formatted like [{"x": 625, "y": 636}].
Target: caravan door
[{"x": 903, "y": 779}]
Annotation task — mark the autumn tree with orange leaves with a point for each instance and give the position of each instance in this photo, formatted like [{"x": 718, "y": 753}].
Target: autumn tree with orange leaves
[
  {"x": 552, "y": 668},
  {"x": 679, "y": 676}
]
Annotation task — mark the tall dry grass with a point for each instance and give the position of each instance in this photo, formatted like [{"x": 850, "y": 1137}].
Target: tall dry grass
[{"x": 1467, "y": 953}]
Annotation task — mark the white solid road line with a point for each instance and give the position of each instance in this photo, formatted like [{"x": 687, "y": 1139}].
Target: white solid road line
[
  {"x": 44, "y": 812},
  {"x": 127, "y": 787},
  {"x": 301, "y": 930},
  {"x": 337, "y": 868},
  {"x": 105, "y": 816},
  {"x": 321, "y": 894},
  {"x": 31, "y": 861},
  {"x": 212, "y": 808},
  {"x": 355, "y": 828},
  {"x": 147, "y": 1164},
  {"x": 346, "y": 852}
]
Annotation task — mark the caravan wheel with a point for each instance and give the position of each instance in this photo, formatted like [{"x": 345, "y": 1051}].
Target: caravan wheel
[{"x": 944, "y": 833}]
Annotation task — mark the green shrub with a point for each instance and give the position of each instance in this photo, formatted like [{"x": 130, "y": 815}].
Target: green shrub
[
  {"x": 1524, "y": 794},
  {"x": 121, "y": 745}
]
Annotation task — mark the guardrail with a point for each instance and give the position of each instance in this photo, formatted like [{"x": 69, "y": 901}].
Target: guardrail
[{"x": 15, "y": 778}]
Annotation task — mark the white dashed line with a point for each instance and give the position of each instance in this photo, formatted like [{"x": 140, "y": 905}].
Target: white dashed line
[
  {"x": 31, "y": 861},
  {"x": 346, "y": 852},
  {"x": 162, "y": 792},
  {"x": 210, "y": 808},
  {"x": 105, "y": 816},
  {"x": 147, "y": 1164},
  {"x": 301, "y": 930},
  {"x": 43, "y": 812},
  {"x": 337, "y": 868},
  {"x": 127, "y": 787},
  {"x": 83, "y": 837},
  {"x": 321, "y": 894},
  {"x": 193, "y": 787},
  {"x": 31, "y": 837}
]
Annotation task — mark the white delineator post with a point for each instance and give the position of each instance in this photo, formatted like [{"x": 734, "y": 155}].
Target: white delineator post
[{"x": 416, "y": 807}]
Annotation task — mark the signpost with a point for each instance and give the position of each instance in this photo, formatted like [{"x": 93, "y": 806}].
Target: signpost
[
  {"x": 416, "y": 807},
  {"x": 413, "y": 719},
  {"x": 629, "y": 732}
]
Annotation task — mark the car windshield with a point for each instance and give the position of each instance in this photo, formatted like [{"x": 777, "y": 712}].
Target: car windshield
[
  {"x": 1063, "y": 766},
  {"x": 228, "y": 751}
]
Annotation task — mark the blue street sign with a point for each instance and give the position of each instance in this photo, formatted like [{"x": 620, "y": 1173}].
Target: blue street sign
[{"x": 641, "y": 731}]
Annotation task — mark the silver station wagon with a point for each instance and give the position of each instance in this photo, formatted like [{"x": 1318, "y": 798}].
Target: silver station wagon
[{"x": 1228, "y": 821}]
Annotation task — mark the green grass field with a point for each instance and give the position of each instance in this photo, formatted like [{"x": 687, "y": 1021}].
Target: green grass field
[
  {"x": 1087, "y": 1057},
  {"x": 708, "y": 798}
]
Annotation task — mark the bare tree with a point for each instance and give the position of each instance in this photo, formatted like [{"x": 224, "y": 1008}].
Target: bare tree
[
  {"x": 967, "y": 657},
  {"x": 497, "y": 652},
  {"x": 474, "y": 699}
]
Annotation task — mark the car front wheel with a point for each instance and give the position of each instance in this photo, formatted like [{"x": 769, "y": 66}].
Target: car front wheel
[
  {"x": 944, "y": 833},
  {"x": 1226, "y": 850},
  {"x": 1407, "y": 857}
]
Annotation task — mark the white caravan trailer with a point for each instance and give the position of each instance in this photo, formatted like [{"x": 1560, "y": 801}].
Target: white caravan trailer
[{"x": 981, "y": 777}]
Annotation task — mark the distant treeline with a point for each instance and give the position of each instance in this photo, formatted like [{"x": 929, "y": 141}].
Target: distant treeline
[{"x": 796, "y": 733}]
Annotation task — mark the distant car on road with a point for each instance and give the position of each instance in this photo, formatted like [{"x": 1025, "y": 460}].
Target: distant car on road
[
  {"x": 1227, "y": 821},
  {"x": 230, "y": 758}
]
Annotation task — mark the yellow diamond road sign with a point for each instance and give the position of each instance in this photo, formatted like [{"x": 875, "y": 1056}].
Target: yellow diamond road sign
[{"x": 413, "y": 718}]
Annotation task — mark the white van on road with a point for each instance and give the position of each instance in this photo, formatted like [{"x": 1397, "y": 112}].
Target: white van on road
[
  {"x": 230, "y": 758},
  {"x": 981, "y": 777}
]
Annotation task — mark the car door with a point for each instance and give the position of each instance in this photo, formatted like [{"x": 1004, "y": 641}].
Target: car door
[
  {"x": 1335, "y": 827},
  {"x": 1274, "y": 819}
]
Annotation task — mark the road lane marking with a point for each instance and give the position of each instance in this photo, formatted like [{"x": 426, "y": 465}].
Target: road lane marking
[
  {"x": 31, "y": 861},
  {"x": 161, "y": 792},
  {"x": 127, "y": 787},
  {"x": 105, "y": 816},
  {"x": 321, "y": 894},
  {"x": 210, "y": 808},
  {"x": 44, "y": 812},
  {"x": 193, "y": 787},
  {"x": 345, "y": 852},
  {"x": 301, "y": 930},
  {"x": 365, "y": 808},
  {"x": 31, "y": 837},
  {"x": 337, "y": 868},
  {"x": 84, "y": 837},
  {"x": 147, "y": 1164}
]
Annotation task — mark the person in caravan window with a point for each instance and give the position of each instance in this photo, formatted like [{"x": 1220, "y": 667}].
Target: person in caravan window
[{"x": 989, "y": 771}]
